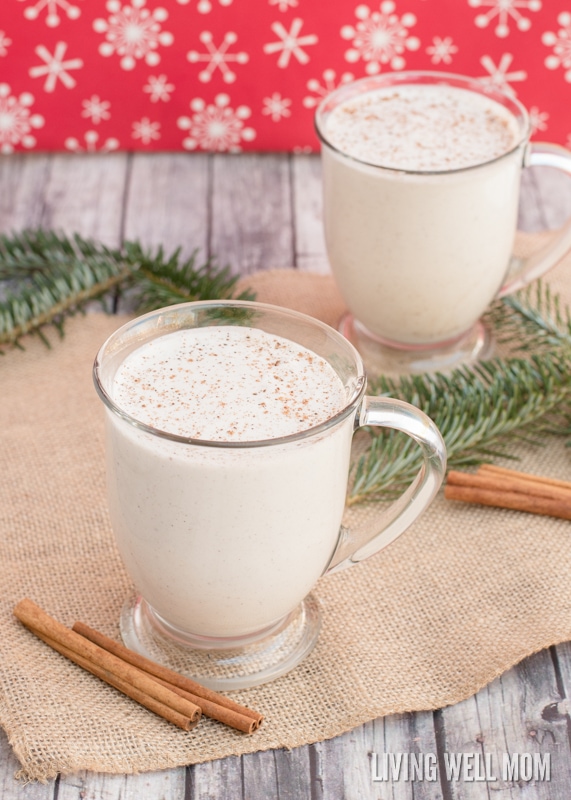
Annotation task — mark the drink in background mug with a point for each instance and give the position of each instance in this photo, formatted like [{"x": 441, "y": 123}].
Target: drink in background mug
[
  {"x": 421, "y": 177},
  {"x": 228, "y": 437}
]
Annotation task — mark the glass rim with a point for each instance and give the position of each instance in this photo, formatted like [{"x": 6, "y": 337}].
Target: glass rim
[
  {"x": 410, "y": 77},
  {"x": 351, "y": 403}
]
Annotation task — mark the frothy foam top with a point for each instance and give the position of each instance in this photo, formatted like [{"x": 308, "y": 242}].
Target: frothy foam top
[
  {"x": 227, "y": 384},
  {"x": 422, "y": 128}
]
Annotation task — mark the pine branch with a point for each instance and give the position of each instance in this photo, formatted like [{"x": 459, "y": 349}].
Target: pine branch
[
  {"x": 532, "y": 319},
  {"x": 47, "y": 277},
  {"x": 162, "y": 281},
  {"x": 479, "y": 411}
]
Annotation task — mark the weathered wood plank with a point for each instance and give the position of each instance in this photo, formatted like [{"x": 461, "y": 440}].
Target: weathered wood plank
[
  {"x": 343, "y": 766},
  {"x": 10, "y": 789},
  {"x": 554, "y": 191},
  {"x": 506, "y": 717},
  {"x": 530, "y": 217},
  {"x": 561, "y": 710},
  {"x": 167, "y": 201},
  {"x": 23, "y": 180},
  {"x": 310, "y": 254},
  {"x": 84, "y": 194},
  {"x": 279, "y": 774},
  {"x": 546, "y": 199},
  {"x": 166, "y": 785},
  {"x": 251, "y": 214},
  {"x": 213, "y": 779}
]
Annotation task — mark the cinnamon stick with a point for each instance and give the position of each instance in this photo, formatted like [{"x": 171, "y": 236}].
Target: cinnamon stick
[
  {"x": 502, "y": 481},
  {"x": 40, "y": 623},
  {"x": 515, "y": 500},
  {"x": 174, "y": 679},
  {"x": 140, "y": 697},
  {"x": 536, "y": 479},
  {"x": 220, "y": 713}
]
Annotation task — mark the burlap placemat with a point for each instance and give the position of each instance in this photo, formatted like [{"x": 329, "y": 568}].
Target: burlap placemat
[{"x": 463, "y": 595}]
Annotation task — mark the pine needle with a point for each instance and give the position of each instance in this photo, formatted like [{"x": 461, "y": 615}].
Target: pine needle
[
  {"x": 479, "y": 411},
  {"x": 162, "y": 281},
  {"x": 46, "y": 277}
]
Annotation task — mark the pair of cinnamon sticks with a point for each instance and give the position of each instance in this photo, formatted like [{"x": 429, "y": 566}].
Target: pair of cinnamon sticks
[
  {"x": 506, "y": 488},
  {"x": 174, "y": 697}
]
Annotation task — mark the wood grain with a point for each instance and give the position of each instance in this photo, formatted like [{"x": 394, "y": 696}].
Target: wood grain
[
  {"x": 310, "y": 252},
  {"x": 85, "y": 195},
  {"x": 166, "y": 785},
  {"x": 23, "y": 181},
  {"x": 167, "y": 202},
  {"x": 251, "y": 214},
  {"x": 508, "y": 716}
]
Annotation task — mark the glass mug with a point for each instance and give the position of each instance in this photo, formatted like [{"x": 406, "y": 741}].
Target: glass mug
[
  {"x": 420, "y": 255},
  {"x": 225, "y": 540}
]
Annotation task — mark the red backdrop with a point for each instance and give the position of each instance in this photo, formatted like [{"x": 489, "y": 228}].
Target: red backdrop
[{"x": 101, "y": 75}]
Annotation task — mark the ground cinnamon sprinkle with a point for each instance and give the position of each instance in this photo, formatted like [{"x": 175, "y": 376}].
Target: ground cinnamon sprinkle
[
  {"x": 422, "y": 128},
  {"x": 225, "y": 384}
]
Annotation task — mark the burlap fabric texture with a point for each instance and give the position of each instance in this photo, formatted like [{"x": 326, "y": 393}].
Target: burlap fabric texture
[{"x": 459, "y": 598}]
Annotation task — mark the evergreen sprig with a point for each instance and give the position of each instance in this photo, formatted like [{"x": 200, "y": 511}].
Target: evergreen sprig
[
  {"x": 46, "y": 276},
  {"x": 162, "y": 281},
  {"x": 479, "y": 411},
  {"x": 532, "y": 319}
]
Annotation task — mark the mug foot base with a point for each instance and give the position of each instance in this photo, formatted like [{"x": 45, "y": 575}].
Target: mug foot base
[
  {"x": 223, "y": 664},
  {"x": 385, "y": 358}
]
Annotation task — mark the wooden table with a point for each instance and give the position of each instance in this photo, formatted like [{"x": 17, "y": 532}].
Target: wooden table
[{"x": 255, "y": 212}]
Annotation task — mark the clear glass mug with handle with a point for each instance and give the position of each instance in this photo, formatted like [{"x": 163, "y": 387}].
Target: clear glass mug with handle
[
  {"x": 419, "y": 253},
  {"x": 224, "y": 540}
]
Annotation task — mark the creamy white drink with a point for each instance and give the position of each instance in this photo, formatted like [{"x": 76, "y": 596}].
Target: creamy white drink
[
  {"x": 222, "y": 542},
  {"x": 421, "y": 186}
]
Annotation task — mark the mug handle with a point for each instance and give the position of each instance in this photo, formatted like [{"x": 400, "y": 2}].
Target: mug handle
[
  {"x": 524, "y": 270},
  {"x": 387, "y": 412}
]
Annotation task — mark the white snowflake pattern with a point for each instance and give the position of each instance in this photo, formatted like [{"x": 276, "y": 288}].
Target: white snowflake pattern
[
  {"x": 5, "y": 43},
  {"x": 204, "y": 6},
  {"x": 91, "y": 139},
  {"x": 146, "y": 131},
  {"x": 96, "y": 109},
  {"x": 442, "y": 50},
  {"x": 133, "y": 32},
  {"x": 561, "y": 44},
  {"x": 499, "y": 77},
  {"x": 505, "y": 10},
  {"x": 323, "y": 89},
  {"x": 290, "y": 43},
  {"x": 283, "y": 5},
  {"x": 159, "y": 88},
  {"x": 217, "y": 57},
  {"x": 216, "y": 126},
  {"x": 537, "y": 119},
  {"x": 55, "y": 68},
  {"x": 52, "y": 16},
  {"x": 277, "y": 107},
  {"x": 380, "y": 37},
  {"x": 16, "y": 122}
]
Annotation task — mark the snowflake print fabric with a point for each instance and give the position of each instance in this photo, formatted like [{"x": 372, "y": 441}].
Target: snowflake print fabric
[{"x": 90, "y": 76}]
